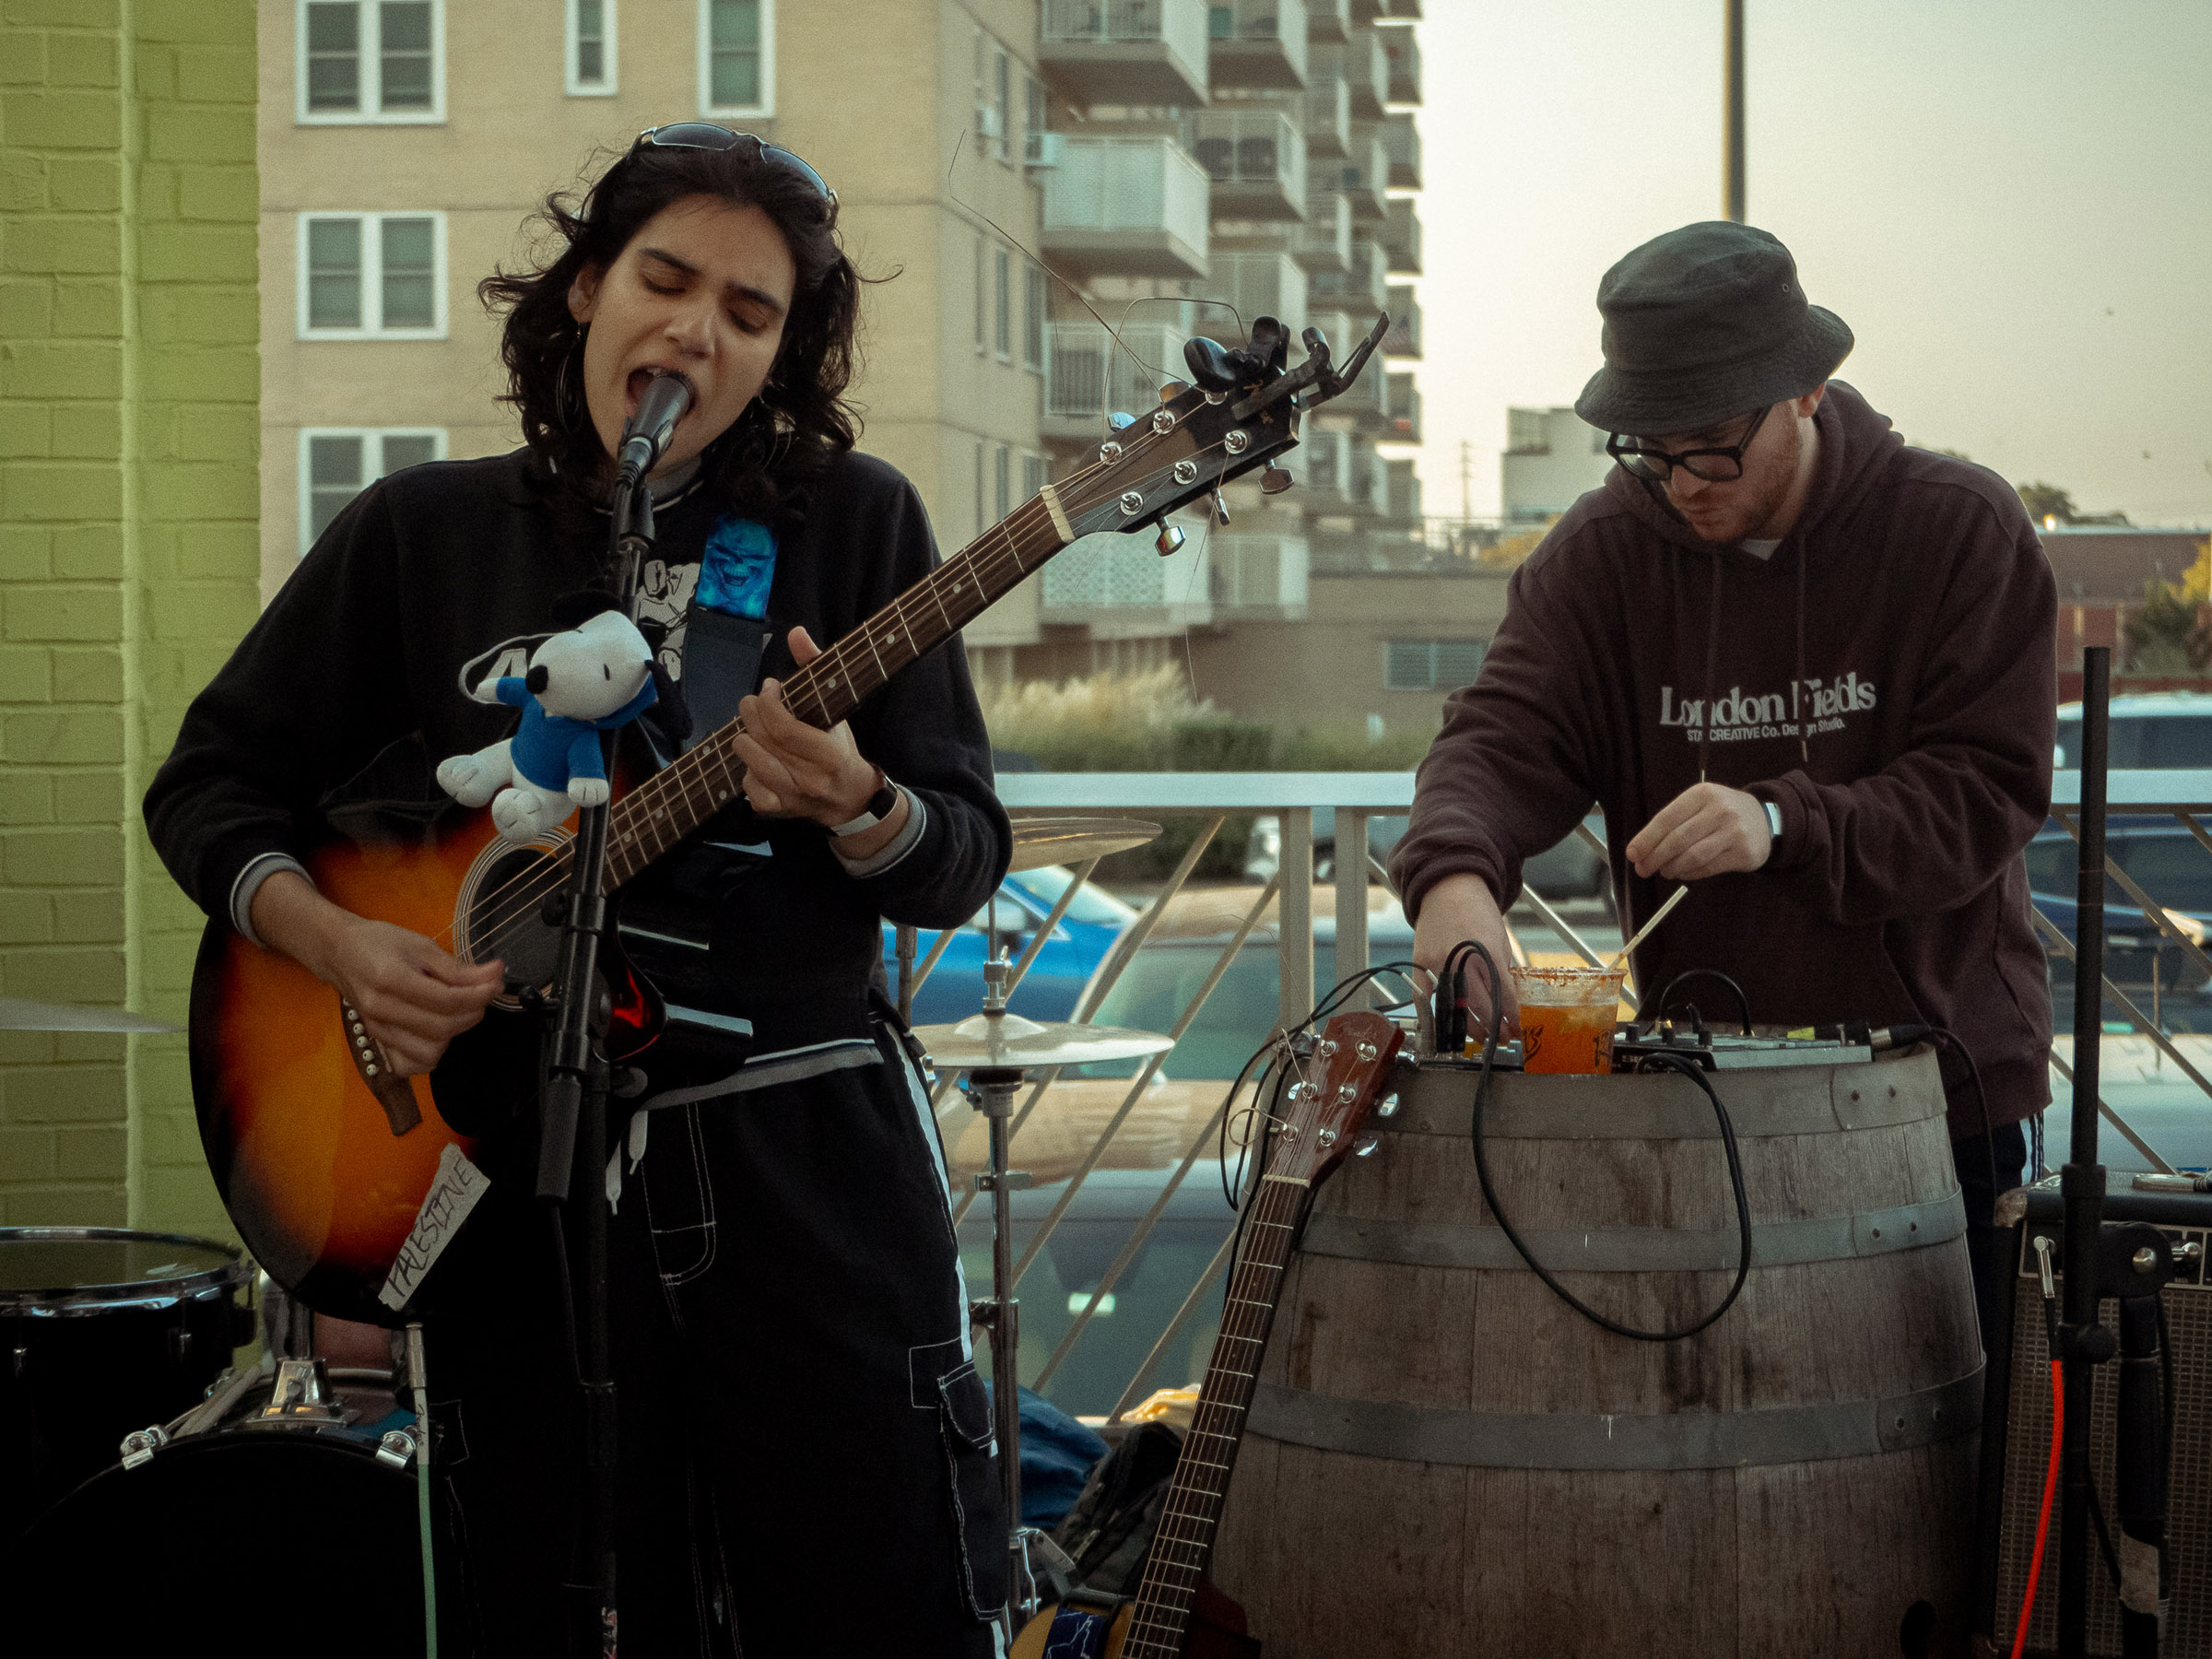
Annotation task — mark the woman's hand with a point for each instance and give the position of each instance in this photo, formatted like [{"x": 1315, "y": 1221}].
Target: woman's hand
[
  {"x": 797, "y": 771},
  {"x": 412, "y": 996}
]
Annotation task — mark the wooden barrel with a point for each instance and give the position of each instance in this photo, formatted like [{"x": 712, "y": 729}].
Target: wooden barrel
[{"x": 1443, "y": 1458}]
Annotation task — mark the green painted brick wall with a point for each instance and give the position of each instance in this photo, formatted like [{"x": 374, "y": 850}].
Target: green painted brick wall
[{"x": 129, "y": 558}]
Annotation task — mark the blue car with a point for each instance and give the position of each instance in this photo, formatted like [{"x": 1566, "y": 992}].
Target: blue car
[
  {"x": 1077, "y": 944},
  {"x": 2165, "y": 861}
]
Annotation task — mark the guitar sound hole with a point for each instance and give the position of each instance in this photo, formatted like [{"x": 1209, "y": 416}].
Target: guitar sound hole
[{"x": 507, "y": 920}]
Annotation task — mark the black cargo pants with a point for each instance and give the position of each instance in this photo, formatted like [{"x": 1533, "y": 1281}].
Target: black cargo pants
[{"x": 807, "y": 1461}]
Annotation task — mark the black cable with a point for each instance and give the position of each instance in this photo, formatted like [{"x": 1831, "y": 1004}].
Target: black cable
[
  {"x": 567, "y": 1296},
  {"x": 1696, "y": 1074},
  {"x": 1973, "y": 1073},
  {"x": 1742, "y": 1001}
]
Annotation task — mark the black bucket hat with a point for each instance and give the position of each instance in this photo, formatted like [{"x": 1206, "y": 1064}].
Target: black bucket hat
[{"x": 1701, "y": 323}]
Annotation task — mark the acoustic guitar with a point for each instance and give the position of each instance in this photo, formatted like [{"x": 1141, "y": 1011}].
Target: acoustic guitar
[
  {"x": 345, "y": 1180},
  {"x": 1176, "y": 1612}
]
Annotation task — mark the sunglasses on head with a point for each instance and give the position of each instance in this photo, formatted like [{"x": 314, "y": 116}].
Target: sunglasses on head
[{"x": 706, "y": 136}]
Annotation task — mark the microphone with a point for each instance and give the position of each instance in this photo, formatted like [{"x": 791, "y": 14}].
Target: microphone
[{"x": 646, "y": 435}]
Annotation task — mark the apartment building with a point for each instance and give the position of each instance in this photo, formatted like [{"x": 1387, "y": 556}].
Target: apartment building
[
  {"x": 1179, "y": 165},
  {"x": 1552, "y": 457}
]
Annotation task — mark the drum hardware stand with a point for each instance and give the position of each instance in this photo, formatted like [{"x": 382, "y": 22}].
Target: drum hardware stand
[{"x": 303, "y": 1395}]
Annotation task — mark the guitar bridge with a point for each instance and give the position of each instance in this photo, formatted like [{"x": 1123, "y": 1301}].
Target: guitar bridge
[{"x": 392, "y": 1092}]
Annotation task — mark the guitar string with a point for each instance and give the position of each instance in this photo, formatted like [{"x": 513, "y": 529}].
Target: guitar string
[
  {"x": 548, "y": 872},
  {"x": 555, "y": 864},
  {"x": 1183, "y": 1524}
]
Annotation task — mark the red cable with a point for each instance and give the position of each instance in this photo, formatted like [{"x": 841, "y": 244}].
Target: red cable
[{"x": 2042, "y": 1521}]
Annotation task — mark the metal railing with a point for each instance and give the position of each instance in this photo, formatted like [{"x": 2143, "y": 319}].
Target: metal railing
[
  {"x": 1180, "y": 24},
  {"x": 1128, "y": 185},
  {"x": 1088, "y": 376},
  {"x": 1259, "y": 284},
  {"x": 1354, "y": 799},
  {"x": 1325, "y": 241},
  {"x": 1251, "y": 146}
]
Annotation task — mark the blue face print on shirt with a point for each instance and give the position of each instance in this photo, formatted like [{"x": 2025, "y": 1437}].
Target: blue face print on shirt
[{"x": 737, "y": 567}]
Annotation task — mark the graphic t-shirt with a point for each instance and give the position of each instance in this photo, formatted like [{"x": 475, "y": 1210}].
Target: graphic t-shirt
[{"x": 733, "y": 575}]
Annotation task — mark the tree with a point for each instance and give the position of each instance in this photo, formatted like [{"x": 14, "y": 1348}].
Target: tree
[
  {"x": 2046, "y": 501},
  {"x": 2168, "y": 634}
]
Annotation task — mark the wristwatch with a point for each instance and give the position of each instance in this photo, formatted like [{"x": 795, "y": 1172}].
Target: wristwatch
[
  {"x": 1773, "y": 818},
  {"x": 880, "y": 806}
]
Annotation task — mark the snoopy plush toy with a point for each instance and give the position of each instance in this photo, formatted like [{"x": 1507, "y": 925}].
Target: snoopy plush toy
[{"x": 588, "y": 680}]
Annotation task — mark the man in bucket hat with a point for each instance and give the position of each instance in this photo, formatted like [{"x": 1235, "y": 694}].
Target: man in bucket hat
[{"x": 1803, "y": 667}]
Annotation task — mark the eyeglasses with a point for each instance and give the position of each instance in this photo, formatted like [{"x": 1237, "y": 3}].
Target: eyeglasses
[
  {"x": 1714, "y": 465},
  {"x": 706, "y": 136}
]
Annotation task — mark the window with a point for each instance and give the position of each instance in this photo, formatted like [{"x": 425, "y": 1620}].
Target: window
[
  {"x": 365, "y": 275},
  {"x": 1002, "y": 480},
  {"x": 1032, "y": 318},
  {"x": 1431, "y": 664},
  {"x": 1033, "y": 477},
  {"x": 1003, "y": 287},
  {"x": 737, "y": 57},
  {"x": 981, "y": 295},
  {"x": 1003, "y": 89},
  {"x": 370, "y": 60},
  {"x": 1033, "y": 113},
  {"x": 982, "y": 524},
  {"x": 338, "y": 463},
  {"x": 590, "y": 48}
]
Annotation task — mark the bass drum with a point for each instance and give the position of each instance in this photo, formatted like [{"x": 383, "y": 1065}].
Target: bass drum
[
  {"x": 282, "y": 1514},
  {"x": 110, "y": 1330}
]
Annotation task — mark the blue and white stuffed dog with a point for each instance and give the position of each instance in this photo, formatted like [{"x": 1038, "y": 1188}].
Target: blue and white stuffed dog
[{"x": 588, "y": 680}]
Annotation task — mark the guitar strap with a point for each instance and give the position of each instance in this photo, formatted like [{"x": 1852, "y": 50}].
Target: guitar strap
[{"x": 722, "y": 665}]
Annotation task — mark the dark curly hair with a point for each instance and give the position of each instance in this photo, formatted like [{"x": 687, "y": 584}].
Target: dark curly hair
[{"x": 801, "y": 416}]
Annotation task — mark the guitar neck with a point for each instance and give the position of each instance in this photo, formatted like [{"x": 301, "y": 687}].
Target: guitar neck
[
  {"x": 1184, "y": 1543},
  {"x": 677, "y": 800}
]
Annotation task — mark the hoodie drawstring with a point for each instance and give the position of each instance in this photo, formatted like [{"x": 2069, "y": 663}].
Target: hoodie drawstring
[
  {"x": 1805, "y": 752},
  {"x": 1712, "y": 660}
]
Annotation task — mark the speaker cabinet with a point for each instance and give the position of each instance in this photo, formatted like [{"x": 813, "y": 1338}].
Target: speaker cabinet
[{"x": 2016, "y": 1429}]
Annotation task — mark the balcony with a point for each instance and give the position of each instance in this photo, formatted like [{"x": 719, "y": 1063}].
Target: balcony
[
  {"x": 1255, "y": 575},
  {"x": 1126, "y": 207},
  {"x": 1403, "y": 491},
  {"x": 1362, "y": 65},
  {"x": 1118, "y": 587},
  {"x": 1328, "y": 121},
  {"x": 1257, "y": 45},
  {"x": 1366, "y": 11},
  {"x": 1404, "y": 412},
  {"x": 1087, "y": 377},
  {"x": 1402, "y": 146},
  {"x": 1369, "y": 492},
  {"x": 1255, "y": 161},
  {"x": 1126, "y": 52},
  {"x": 1404, "y": 341},
  {"x": 1323, "y": 462},
  {"x": 1366, "y": 175},
  {"x": 1402, "y": 238},
  {"x": 1258, "y": 285},
  {"x": 1325, "y": 241},
  {"x": 1409, "y": 10},
  {"x": 1363, "y": 287},
  {"x": 1405, "y": 54},
  {"x": 1328, "y": 22}
]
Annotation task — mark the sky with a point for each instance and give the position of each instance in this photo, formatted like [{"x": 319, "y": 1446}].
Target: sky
[{"x": 2009, "y": 201}]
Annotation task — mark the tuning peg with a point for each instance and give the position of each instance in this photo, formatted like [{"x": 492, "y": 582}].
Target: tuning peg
[
  {"x": 1274, "y": 481},
  {"x": 1365, "y": 1146},
  {"x": 1169, "y": 540},
  {"x": 1173, "y": 390},
  {"x": 1119, "y": 421},
  {"x": 1220, "y": 509}
]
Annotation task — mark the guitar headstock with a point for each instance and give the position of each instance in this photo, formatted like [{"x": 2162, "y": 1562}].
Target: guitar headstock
[
  {"x": 1240, "y": 410},
  {"x": 1333, "y": 1090}
]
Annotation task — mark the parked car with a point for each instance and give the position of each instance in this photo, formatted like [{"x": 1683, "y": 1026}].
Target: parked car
[
  {"x": 955, "y": 987},
  {"x": 1570, "y": 870},
  {"x": 2150, "y": 731},
  {"x": 2166, "y": 862}
]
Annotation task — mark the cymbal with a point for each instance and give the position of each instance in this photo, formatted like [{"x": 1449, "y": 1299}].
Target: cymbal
[
  {"x": 18, "y": 1016},
  {"x": 1050, "y": 840},
  {"x": 1007, "y": 1042}
]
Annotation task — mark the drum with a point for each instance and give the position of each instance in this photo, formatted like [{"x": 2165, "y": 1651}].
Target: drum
[
  {"x": 110, "y": 1331},
  {"x": 1442, "y": 1457},
  {"x": 304, "y": 1528}
]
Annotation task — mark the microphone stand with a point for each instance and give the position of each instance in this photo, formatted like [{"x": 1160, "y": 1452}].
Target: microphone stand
[{"x": 572, "y": 1145}]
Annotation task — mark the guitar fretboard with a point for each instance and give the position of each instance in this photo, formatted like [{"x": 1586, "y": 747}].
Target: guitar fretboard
[
  {"x": 673, "y": 802},
  {"x": 1184, "y": 1543}
]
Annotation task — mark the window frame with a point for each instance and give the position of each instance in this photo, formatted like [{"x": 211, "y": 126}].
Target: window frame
[
  {"x": 303, "y": 494},
  {"x": 609, "y": 83},
  {"x": 1002, "y": 290},
  {"x": 1433, "y": 647},
  {"x": 373, "y": 275},
  {"x": 766, "y": 108},
  {"x": 370, "y": 35}
]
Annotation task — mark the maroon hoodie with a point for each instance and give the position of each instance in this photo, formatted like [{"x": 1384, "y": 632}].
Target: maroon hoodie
[{"x": 1885, "y": 678}]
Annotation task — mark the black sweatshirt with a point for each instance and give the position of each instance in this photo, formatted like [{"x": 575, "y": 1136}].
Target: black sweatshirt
[
  {"x": 347, "y": 689},
  {"x": 1885, "y": 679}
]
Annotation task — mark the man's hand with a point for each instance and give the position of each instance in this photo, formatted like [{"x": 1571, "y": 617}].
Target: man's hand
[
  {"x": 1708, "y": 829},
  {"x": 412, "y": 996},
  {"x": 1461, "y": 907}
]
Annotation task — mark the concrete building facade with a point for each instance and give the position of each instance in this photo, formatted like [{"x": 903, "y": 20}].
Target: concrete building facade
[{"x": 1551, "y": 457}]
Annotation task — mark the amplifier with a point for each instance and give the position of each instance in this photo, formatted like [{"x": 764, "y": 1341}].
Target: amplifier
[{"x": 2015, "y": 1431}]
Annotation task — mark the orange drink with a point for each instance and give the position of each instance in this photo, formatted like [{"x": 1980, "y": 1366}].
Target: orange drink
[{"x": 1567, "y": 1017}]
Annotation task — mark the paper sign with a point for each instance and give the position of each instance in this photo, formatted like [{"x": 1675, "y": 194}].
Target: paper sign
[{"x": 454, "y": 1193}]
